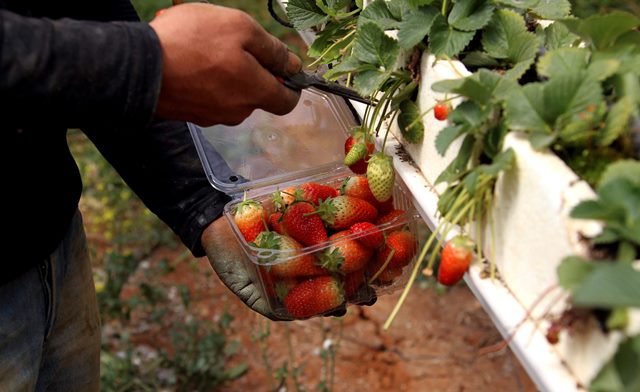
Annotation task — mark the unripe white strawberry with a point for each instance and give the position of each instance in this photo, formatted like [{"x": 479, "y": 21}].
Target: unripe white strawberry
[{"x": 381, "y": 176}]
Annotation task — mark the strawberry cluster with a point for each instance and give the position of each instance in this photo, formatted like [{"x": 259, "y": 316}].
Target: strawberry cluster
[{"x": 319, "y": 246}]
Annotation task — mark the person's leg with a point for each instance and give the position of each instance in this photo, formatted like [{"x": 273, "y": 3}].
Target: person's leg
[
  {"x": 71, "y": 352},
  {"x": 49, "y": 323}
]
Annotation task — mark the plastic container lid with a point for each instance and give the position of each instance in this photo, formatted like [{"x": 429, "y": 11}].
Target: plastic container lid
[{"x": 267, "y": 149}]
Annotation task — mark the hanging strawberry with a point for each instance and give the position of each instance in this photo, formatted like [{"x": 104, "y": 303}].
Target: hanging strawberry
[{"x": 381, "y": 176}]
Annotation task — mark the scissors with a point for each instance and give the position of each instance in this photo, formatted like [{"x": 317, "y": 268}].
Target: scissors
[{"x": 303, "y": 80}]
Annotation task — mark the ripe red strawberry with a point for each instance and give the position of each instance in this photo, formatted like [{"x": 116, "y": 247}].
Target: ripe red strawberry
[
  {"x": 309, "y": 191},
  {"x": 404, "y": 245},
  {"x": 250, "y": 217},
  {"x": 341, "y": 212},
  {"x": 301, "y": 222},
  {"x": 455, "y": 260},
  {"x": 314, "y": 296},
  {"x": 381, "y": 176},
  {"x": 374, "y": 237},
  {"x": 345, "y": 255},
  {"x": 360, "y": 165},
  {"x": 396, "y": 215},
  {"x": 352, "y": 282},
  {"x": 275, "y": 223},
  {"x": 275, "y": 287},
  {"x": 380, "y": 274},
  {"x": 441, "y": 111},
  {"x": 290, "y": 261},
  {"x": 358, "y": 186}
]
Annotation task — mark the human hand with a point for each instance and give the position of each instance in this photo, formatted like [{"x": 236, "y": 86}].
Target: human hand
[{"x": 219, "y": 65}]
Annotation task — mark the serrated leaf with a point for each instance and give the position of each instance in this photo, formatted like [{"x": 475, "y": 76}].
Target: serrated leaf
[
  {"x": 560, "y": 61},
  {"x": 479, "y": 59},
  {"x": 493, "y": 140},
  {"x": 506, "y": 37},
  {"x": 503, "y": 161},
  {"x": 410, "y": 122},
  {"x": 541, "y": 140},
  {"x": 415, "y": 26},
  {"x": 602, "y": 69},
  {"x": 570, "y": 94},
  {"x": 368, "y": 82},
  {"x": 446, "y": 40},
  {"x": 621, "y": 372},
  {"x": 572, "y": 271},
  {"x": 378, "y": 13},
  {"x": 406, "y": 92},
  {"x": 447, "y": 85},
  {"x": 557, "y": 35},
  {"x": 447, "y": 135},
  {"x": 419, "y": 3},
  {"x": 552, "y": 9},
  {"x": 326, "y": 43},
  {"x": 627, "y": 168},
  {"x": 470, "y": 15},
  {"x": 458, "y": 166},
  {"x": 617, "y": 121},
  {"x": 524, "y": 109},
  {"x": 468, "y": 113},
  {"x": 602, "y": 31},
  {"x": 519, "y": 69},
  {"x": 373, "y": 46},
  {"x": 610, "y": 285},
  {"x": 522, "y": 4},
  {"x": 348, "y": 65},
  {"x": 304, "y": 14}
]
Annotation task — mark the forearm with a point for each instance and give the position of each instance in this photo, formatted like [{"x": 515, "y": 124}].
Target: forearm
[{"x": 74, "y": 73}]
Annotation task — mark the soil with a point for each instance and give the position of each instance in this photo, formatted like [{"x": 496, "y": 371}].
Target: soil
[{"x": 433, "y": 345}]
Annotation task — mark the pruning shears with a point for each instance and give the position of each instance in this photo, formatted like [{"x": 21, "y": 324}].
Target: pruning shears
[{"x": 303, "y": 80}]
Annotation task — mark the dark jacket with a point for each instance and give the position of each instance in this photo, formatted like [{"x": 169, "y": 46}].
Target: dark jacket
[{"x": 61, "y": 67}]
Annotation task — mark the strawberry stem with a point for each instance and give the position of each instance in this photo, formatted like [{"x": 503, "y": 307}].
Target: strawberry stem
[{"x": 383, "y": 267}]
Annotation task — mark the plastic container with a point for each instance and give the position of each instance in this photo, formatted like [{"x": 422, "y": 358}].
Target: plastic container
[{"x": 267, "y": 153}]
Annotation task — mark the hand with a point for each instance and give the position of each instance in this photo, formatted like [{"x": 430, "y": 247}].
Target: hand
[{"x": 219, "y": 65}]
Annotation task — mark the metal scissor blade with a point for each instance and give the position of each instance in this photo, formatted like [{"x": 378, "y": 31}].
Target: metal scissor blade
[{"x": 303, "y": 80}]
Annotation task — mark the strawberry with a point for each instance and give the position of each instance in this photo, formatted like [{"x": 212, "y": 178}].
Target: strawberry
[
  {"x": 373, "y": 238},
  {"x": 381, "y": 176},
  {"x": 275, "y": 223},
  {"x": 404, "y": 247},
  {"x": 341, "y": 212},
  {"x": 455, "y": 260},
  {"x": 300, "y": 221},
  {"x": 360, "y": 165},
  {"x": 309, "y": 191},
  {"x": 352, "y": 282},
  {"x": 275, "y": 287},
  {"x": 381, "y": 274},
  {"x": 396, "y": 215},
  {"x": 345, "y": 255},
  {"x": 314, "y": 296},
  {"x": 290, "y": 261},
  {"x": 250, "y": 217},
  {"x": 441, "y": 111},
  {"x": 358, "y": 186}
]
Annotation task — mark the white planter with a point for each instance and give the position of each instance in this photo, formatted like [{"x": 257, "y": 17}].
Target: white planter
[{"x": 532, "y": 233}]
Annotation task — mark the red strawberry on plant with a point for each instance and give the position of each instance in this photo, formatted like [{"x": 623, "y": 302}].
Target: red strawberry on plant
[
  {"x": 250, "y": 217},
  {"x": 309, "y": 191},
  {"x": 341, "y": 212},
  {"x": 290, "y": 261},
  {"x": 404, "y": 246},
  {"x": 455, "y": 260},
  {"x": 344, "y": 255},
  {"x": 358, "y": 186},
  {"x": 314, "y": 296},
  {"x": 301, "y": 221},
  {"x": 363, "y": 151},
  {"x": 441, "y": 111},
  {"x": 372, "y": 238},
  {"x": 381, "y": 176}
]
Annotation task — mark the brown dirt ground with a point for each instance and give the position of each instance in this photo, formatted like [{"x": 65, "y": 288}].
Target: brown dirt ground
[{"x": 432, "y": 345}]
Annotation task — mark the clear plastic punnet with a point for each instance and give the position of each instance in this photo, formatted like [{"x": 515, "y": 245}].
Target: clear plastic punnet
[{"x": 269, "y": 154}]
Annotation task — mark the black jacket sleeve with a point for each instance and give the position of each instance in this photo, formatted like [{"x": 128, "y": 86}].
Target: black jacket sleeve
[{"x": 74, "y": 73}]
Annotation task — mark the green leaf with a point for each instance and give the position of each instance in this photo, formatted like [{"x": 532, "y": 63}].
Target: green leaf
[
  {"x": 479, "y": 59},
  {"x": 618, "y": 319},
  {"x": 379, "y": 14},
  {"x": 493, "y": 140},
  {"x": 348, "y": 65},
  {"x": 405, "y": 92},
  {"x": 541, "y": 140},
  {"x": 459, "y": 165},
  {"x": 602, "y": 31},
  {"x": 569, "y": 95},
  {"x": 557, "y": 35},
  {"x": 572, "y": 271},
  {"x": 518, "y": 69},
  {"x": 522, "y": 4},
  {"x": 305, "y": 14},
  {"x": 373, "y": 46},
  {"x": 419, "y": 3},
  {"x": 367, "y": 82},
  {"x": 503, "y": 161},
  {"x": 524, "y": 109},
  {"x": 628, "y": 169},
  {"x": 506, "y": 37},
  {"x": 552, "y": 9},
  {"x": 563, "y": 61},
  {"x": 610, "y": 285},
  {"x": 415, "y": 26},
  {"x": 410, "y": 122},
  {"x": 470, "y": 15},
  {"x": 617, "y": 121},
  {"x": 446, "y": 40},
  {"x": 621, "y": 372},
  {"x": 326, "y": 44},
  {"x": 468, "y": 113},
  {"x": 447, "y": 135}
]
